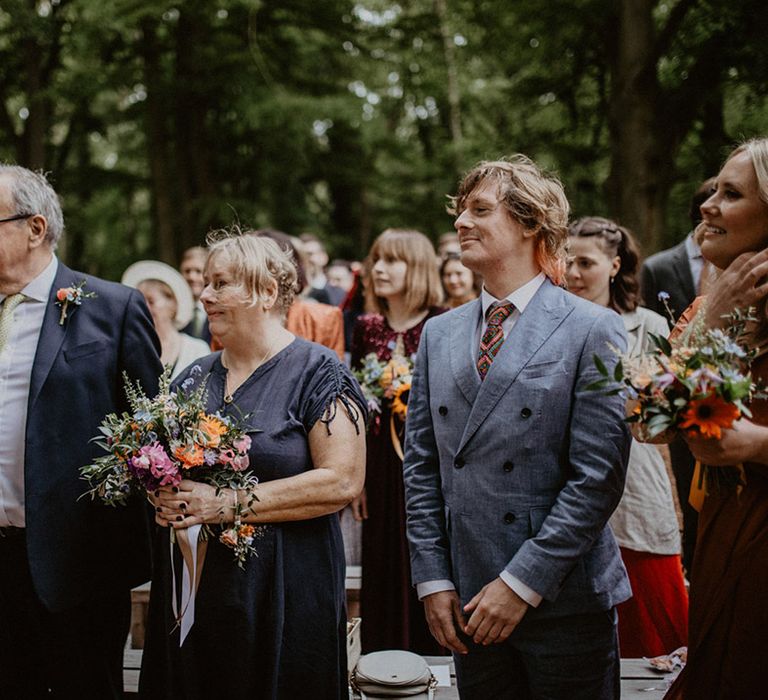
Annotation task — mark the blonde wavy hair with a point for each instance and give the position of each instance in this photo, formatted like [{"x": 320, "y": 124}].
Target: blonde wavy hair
[
  {"x": 533, "y": 198},
  {"x": 258, "y": 264}
]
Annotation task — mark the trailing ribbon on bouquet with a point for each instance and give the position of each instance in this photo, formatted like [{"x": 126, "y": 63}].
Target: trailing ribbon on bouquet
[
  {"x": 193, "y": 557},
  {"x": 700, "y": 489}
]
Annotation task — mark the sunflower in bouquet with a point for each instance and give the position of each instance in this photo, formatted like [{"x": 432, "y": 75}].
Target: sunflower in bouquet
[{"x": 390, "y": 381}]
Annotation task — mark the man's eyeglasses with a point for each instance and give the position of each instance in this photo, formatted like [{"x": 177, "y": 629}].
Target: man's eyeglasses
[{"x": 15, "y": 217}]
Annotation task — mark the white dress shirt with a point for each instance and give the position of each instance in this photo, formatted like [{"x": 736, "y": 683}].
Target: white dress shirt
[
  {"x": 520, "y": 298},
  {"x": 16, "y": 360}
]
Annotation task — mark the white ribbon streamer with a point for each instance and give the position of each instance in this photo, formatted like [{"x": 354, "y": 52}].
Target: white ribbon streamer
[{"x": 185, "y": 614}]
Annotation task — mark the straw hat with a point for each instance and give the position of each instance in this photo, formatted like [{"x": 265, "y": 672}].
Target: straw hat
[{"x": 145, "y": 270}]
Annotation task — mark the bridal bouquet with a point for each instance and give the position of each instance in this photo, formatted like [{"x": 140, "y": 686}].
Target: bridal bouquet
[
  {"x": 169, "y": 438},
  {"x": 702, "y": 384},
  {"x": 386, "y": 381}
]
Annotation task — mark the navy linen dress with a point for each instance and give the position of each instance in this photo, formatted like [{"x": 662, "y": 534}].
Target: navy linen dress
[{"x": 277, "y": 629}]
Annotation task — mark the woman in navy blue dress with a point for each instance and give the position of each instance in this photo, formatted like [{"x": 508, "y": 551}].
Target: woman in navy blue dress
[{"x": 275, "y": 629}]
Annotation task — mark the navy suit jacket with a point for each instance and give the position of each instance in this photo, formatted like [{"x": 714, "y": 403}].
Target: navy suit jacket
[
  {"x": 78, "y": 547},
  {"x": 519, "y": 472},
  {"x": 668, "y": 271}
]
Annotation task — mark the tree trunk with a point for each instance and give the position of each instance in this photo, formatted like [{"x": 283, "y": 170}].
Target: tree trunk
[
  {"x": 452, "y": 81},
  {"x": 194, "y": 161},
  {"x": 36, "y": 124},
  {"x": 641, "y": 166},
  {"x": 157, "y": 140}
]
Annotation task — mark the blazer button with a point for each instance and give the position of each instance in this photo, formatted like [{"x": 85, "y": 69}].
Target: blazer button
[
  {"x": 443, "y": 410},
  {"x": 458, "y": 462},
  {"x": 508, "y": 466},
  {"x": 526, "y": 412},
  {"x": 509, "y": 518}
]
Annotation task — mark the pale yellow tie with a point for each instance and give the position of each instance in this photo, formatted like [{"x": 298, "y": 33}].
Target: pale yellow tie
[{"x": 6, "y": 316}]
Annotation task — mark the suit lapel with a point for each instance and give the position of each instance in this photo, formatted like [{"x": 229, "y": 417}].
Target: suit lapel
[
  {"x": 541, "y": 317},
  {"x": 682, "y": 269},
  {"x": 461, "y": 338},
  {"x": 51, "y": 333}
]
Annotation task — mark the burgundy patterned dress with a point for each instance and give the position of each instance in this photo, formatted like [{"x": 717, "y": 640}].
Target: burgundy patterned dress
[{"x": 393, "y": 617}]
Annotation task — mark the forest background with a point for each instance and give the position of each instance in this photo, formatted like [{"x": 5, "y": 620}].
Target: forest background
[{"x": 158, "y": 121}]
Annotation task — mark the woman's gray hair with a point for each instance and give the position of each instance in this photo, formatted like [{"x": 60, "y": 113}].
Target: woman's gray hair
[{"x": 33, "y": 194}]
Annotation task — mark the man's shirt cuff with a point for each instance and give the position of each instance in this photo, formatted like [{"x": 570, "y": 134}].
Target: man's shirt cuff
[
  {"x": 527, "y": 594},
  {"x": 430, "y": 587}
]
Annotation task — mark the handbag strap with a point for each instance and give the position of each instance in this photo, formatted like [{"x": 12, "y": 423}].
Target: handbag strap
[{"x": 430, "y": 692}]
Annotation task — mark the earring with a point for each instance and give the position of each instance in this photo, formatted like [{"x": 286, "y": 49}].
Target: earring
[{"x": 613, "y": 279}]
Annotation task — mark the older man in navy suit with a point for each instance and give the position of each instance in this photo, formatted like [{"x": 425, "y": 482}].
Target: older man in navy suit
[
  {"x": 67, "y": 563},
  {"x": 512, "y": 464}
]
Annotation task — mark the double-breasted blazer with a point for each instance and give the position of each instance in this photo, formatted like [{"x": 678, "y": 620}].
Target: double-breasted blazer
[
  {"x": 78, "y": 547},
  {"x": 519, "y": 472}
]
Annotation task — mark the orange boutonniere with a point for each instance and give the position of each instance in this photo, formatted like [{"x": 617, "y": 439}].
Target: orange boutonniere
[{"x": 74, "y": 296}]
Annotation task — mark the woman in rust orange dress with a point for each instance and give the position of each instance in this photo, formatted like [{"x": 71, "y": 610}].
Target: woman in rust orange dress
[
  {"x": 403, "y": 290},
  {"x": 728, "y": 629}
]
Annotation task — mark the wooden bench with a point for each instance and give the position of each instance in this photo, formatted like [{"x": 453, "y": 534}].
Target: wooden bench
[{"x": 638, "y": 680}]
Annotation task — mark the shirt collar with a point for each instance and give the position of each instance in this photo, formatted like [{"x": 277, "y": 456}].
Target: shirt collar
[
  {"x": 520, "y": 298},
  {"x": 691, "y": 247},
  {"x": 40, "y": 288}
]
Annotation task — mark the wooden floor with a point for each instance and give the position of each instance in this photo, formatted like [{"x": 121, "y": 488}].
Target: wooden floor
[{"x": 638, "y": 681}]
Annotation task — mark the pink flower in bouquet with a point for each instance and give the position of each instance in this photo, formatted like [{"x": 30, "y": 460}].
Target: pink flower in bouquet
[
  {"x": 229, "y": 537},
  {"x": 242, "y": 444},
  {"x": 154, "y": 459},
  {"x": 226, "y": 456},
  {"x": 240, "y": 463}
]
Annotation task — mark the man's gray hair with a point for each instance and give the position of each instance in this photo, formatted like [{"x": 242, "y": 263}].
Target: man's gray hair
[{"x": 32, "y": 194}]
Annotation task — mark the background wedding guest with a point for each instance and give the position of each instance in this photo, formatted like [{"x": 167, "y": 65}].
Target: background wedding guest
[
  {"x": 314, "y": 258},
  {"x": 340, "y": 280},
  {"x": 447, "y": 243},
  {"x": 459, "y": 282},
  {"x": 170, "y": 302},
  {"x": 191, "y": 268},
  {"x": 68, "y": 563},
  {"x": 681, "y": 272},
  {"x": 403, "y": 292},
  {"x": 306, "y": 317},
  {"x": 275, "y": 628},
  {"x": 727, "y": 643},
  {"x": 602, "y": 268}
]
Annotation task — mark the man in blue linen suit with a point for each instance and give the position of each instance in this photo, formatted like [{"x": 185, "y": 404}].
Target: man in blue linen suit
[
  {"x": 67, "y": 563},
  {"x": 512, "y": 466}
]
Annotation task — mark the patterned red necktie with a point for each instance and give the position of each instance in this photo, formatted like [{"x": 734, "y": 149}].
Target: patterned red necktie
[{"x": 493, "y": 338}]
